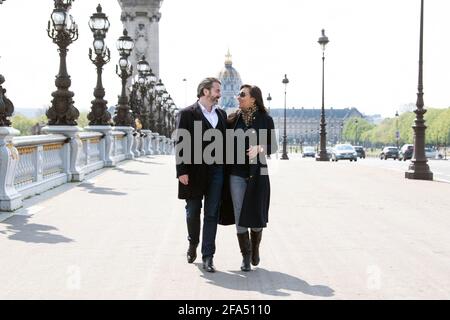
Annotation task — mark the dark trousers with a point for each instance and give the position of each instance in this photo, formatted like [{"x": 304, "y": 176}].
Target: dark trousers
[{"x": 211, "y": 212}]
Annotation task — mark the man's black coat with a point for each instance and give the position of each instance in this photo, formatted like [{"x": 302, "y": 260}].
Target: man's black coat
[{"x": 198, "y": 173}]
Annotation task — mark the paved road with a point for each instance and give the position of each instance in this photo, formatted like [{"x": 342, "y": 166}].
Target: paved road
[
  {"x": 440, "y": 168},
  {"x": 336, "y": 231}
]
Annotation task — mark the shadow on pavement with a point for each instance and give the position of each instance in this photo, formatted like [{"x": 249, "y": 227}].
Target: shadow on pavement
[
  {"x": 130, "y": 171},
  {"x": 91, "y": 188},
  {"x": 264, "y": 281},
  {"x": 19, "y": 229}
]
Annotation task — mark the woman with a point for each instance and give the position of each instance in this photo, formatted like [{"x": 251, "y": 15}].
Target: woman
[{"x": 249, "y": 181}]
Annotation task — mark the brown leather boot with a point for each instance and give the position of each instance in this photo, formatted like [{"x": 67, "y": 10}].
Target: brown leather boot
[
  {"x": 246, "y": 250},
  {"x": 256, "y": 240}
]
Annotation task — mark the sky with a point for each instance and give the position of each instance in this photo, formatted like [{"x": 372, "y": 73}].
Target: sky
[{"x": 371, "y": 59}]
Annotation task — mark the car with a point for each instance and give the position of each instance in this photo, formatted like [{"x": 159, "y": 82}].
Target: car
[
  {"x": 329, "y": 152},
  {"x": 308, "y": 152},
  {"x": 430, "y": 153},
  {"x": 406, "y": 152},
  {"x": 389, "y": 152},
  {"x": 343, "y": 152},
  {"x": 360, "y": 152}
]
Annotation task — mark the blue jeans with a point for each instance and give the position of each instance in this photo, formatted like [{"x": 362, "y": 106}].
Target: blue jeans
[
  {"x": 238, "y": 185},
  {"x": 211, "y": 212}
]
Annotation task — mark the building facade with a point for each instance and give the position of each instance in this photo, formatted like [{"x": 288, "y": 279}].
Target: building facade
[{"x": 303, "y": 125}]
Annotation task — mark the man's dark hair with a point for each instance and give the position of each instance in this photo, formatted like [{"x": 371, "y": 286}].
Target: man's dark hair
[{"x": 206, "y": 83}]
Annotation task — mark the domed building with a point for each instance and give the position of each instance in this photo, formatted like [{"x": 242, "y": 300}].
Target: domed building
[{"x": 231, "y": 84}]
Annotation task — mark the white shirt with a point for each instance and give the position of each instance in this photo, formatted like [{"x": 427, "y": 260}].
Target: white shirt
[{"x": 212, "y": 116}]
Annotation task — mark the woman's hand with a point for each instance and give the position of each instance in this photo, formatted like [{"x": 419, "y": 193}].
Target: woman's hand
[{"x": 253, "y": 151}]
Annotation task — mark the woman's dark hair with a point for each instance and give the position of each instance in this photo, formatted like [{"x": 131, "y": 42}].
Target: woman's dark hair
[{"x": 255, "y": 92}]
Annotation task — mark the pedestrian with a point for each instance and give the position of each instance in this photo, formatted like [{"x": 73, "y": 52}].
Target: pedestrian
[
  {"x": 249, "y": 183},
  {"x": 201, "y": 182}
]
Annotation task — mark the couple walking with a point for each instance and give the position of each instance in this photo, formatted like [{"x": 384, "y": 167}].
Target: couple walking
[{"x": 231, "y": 184}]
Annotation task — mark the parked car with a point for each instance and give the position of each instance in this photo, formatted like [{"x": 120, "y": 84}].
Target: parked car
[
  {"x": 389, "y": 152},
  {"x": 406, "y": 152},
  {"x": 360, "y": 152},
  {"x": 430, "y": 153},
  {"x": 308, "y": 152},
  {"x": 343, "y": 152}
]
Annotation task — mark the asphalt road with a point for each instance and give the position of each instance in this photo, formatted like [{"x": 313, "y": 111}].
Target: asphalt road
[{"x": 440, "y": 168}]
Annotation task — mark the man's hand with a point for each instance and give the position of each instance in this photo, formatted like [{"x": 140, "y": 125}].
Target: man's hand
[{"x": 184, "y": 179}]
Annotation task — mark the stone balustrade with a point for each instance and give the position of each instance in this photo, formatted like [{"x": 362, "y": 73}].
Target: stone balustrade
[{"x": 30, "y": 165}]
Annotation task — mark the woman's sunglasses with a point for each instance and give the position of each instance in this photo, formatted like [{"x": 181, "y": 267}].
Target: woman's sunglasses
[{"x": 242, "y": 94}]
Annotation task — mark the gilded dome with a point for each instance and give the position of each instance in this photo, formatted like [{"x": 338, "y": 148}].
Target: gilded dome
[{"x": 231, "y": 84}]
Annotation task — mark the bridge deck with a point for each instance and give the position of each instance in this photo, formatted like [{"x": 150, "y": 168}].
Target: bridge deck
[{"x": 337, "y": 230}]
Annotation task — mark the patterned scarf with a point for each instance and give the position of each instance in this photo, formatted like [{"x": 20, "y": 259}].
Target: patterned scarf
[{"x": 247, "y": 115}]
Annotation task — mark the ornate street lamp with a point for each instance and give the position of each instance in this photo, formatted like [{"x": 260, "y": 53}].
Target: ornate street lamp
[
  {"x": 169, "y": 103},
  {"x": 323, "y": 156},
  {"x": 99, "y": 25},
  {"x": 63, "y": 30},
  {"x": 123, "y": 115},
  {"x": 6, "y": 106},
  {"x": 284, "y": 156},
  {"x": 419, "y": 168},
  {"x": 161, "y": 97},
  {"x": 356, "y": 132},
  {"x": 139, "y": 91},
  {"x": 269, "y": 99}
]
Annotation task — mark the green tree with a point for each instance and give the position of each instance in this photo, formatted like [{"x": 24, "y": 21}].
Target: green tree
[
  {"x": 23, "y": 124},
  {"x": 355, "y": 130}
]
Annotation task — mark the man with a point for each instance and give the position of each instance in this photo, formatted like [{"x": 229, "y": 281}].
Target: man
[{"x": 201, "y": 181}]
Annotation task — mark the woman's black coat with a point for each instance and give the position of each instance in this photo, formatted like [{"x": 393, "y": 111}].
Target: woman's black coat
[{"x": 255, "y": 207}]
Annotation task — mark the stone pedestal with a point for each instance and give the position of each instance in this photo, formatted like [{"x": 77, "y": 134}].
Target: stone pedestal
[
  {"x": 130, "y": 140},
  {"x": 107, "y": 145},
  {"x": 156, "y": 143},
  {"x": 136, "y": 141},
  {"x": 10, "y": 199},
  {"x": 147, "y": 145},
  {"x": 76, "y": 173},
  {"x": 162, "y": 145}
]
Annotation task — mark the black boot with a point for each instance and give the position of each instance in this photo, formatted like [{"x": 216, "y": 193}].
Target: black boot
[
  {"x": 256, "y": 240},
  {"x": 192, "y": 253},
  {"x": 246, "y": 250},
  {"x": 208, "y": 264}
]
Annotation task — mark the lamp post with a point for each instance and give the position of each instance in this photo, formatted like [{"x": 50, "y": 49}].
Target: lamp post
[
  {"x": 156, "y": 100},
  {"x": 269, "y": 99},
  {"x": 6, "y": 106},
  {"x": 10, "y": 199},
  {"x": 284, "y": 156},
  {"x": 356, "y": 132},
  {"x": 419, "y": 168},
  {"x": 63, "y": 30},
  {"x": 124, "y": 45},
  {"x": 323, "y": 156},
  {"x": 139, "y": 93},
  {"x": 397, "y": 133},
  {"x": 99, "y": 25}
]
